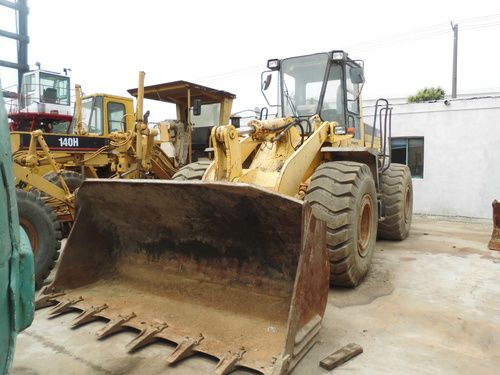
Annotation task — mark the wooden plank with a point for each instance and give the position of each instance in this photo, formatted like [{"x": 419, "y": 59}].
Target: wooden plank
[{"x": 341, "y": 356}]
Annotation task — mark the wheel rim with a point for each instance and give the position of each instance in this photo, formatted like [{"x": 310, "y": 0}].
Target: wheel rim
[
  {"x": 407, "y": 203},
  {"x": 365, "y": 225},
  {"x": 32, "y": 234}
]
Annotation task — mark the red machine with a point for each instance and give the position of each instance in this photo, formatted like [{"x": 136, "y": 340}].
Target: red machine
[{"x": 44, "y": 102}]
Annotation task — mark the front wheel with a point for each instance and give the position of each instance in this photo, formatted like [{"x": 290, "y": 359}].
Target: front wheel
[
  {"x": 343, "y": 194},
  {"x": 44, "y": 232},
  {"x": 193, "y": 171}
]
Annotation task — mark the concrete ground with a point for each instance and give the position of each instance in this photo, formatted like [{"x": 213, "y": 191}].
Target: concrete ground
[{"x": 429, "y": 305}]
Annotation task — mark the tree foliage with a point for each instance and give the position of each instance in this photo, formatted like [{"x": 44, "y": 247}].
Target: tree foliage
[{"x": 427, "y": 94}]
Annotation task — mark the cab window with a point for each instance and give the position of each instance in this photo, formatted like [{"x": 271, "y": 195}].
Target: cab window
[
  {"x": 333, "y": 102},
  {"x": 95, "y": 123},
  {"x": 28, "y": 90},
  {"x": 352, "y": 96},
  {"x": 209, "y": 115},
  {"x": 116, "y": 117}
]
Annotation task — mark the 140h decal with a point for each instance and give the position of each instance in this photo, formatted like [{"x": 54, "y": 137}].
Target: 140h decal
[{"x": 68, "y": 142}]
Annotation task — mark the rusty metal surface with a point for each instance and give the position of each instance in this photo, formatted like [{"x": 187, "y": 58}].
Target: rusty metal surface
[
  {"x": 175, "y": 92},
  {"x": 230, "y": 270},
  {"x": 494, "y": 243}
]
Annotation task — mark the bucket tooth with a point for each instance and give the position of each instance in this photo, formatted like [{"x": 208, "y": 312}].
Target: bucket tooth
[
  {"x": 146, "y": 336},
  {"x": 114, "y": 325},
  {"x": 184, "y": 349},
  {"x": 88, "y": 315},
  {"x": 46, "y": 300},
  {"x": 228, "y": 362},
  {"x": 64, "y": 306}
]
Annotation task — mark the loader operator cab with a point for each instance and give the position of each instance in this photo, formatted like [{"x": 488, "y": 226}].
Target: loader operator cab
[{"x": 328, "y": 84}]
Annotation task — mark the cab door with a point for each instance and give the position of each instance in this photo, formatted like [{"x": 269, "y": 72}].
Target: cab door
[{"x": 118, "y": 115}]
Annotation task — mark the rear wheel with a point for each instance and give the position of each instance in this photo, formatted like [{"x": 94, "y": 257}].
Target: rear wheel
[
  {"x": 193, "y": 171},
  {"x": 44, "y": 232},
  {"x": 343, "y": 194},
  {"x": 73, "y": 179},
  {"x": 397, "y": 198}
]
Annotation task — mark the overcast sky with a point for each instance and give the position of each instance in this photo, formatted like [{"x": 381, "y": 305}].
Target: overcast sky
[{"x": 225, "y": 44}]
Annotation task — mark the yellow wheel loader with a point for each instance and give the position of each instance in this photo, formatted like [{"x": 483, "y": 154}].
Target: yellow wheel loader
[{"x": 233, "y": 258}]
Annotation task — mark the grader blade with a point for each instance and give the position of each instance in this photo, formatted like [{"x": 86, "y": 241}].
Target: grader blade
[{"x": 230, "y": 270}]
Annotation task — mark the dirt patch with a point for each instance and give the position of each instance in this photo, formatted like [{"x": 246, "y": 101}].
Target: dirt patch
[
  {"x": 461, "y": 252},
  {"x": 491, "y": 258},
  {"x": 96, "y": 369},
  {"x": 378, "y": 283},
  {"x": 23, "y": 371}
]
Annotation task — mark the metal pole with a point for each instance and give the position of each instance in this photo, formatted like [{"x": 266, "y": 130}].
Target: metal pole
[
  {"x": 78, "y": 110},
  {"x": 190, "y": 128},
  {"x": 22, "y": 52},
  {"x": 455, "y": 50},
  {"x": 139, "y": 123}
]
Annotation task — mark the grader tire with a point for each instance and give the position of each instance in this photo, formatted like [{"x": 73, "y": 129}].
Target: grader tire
[
  {"x": 343, "y": 194},
  {"x": 397, "y": 198},
  {"x": 44, "y": 231},
  {"x": 73, "y": 179},
  {"x": 193, "y": 171}
]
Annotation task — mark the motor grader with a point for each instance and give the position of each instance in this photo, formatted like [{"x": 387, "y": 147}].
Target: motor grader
[
  {"x": 233, "y": 258},
  {"x": 100, "y": 143}
]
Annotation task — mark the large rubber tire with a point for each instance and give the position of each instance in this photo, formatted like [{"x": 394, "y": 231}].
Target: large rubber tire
[
  {"x": 44, "y": 231},
  {"x": 397, "y": 199},
  {"x": 193, "y": 171},
  {"x": 73, "y": 179},
  {"x": 343, "y": 194}
]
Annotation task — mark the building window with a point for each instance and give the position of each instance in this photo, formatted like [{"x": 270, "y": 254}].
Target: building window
[{"x": 409, "y": 151}]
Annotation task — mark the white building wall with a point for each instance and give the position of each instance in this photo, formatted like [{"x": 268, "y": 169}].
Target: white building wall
[{"x": 461, "y": 154}]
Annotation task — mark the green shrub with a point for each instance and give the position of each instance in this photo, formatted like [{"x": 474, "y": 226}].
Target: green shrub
[{"x": 427, "y": 94}]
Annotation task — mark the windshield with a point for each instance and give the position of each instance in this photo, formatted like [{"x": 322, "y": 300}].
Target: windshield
[
  {"x": 54, "y": 89},
  {"x": 209, "y": 115},
  {"x": 302, "y": 81},
  {"x": 91, "y": 115}
]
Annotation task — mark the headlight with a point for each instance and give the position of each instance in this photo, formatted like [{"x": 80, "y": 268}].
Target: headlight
[
  {"x": 338, "y": 55},
  {"x": 340, "y": 130},
  {"x": 273, "y": 64}
]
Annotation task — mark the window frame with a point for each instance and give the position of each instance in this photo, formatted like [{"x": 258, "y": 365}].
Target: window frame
[
  {"x": 407, "y": 145},
  {"x": 122, "y": 122},
  {"x": 63, "y": 93}
]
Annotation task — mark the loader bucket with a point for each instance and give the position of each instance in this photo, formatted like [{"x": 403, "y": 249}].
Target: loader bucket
[{"x": 230, "y": 270}]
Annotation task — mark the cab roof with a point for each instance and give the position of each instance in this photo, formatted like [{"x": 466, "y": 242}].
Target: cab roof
[{"x": 176, "y": 92}]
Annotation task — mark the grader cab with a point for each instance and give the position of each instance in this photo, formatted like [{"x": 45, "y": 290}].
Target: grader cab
[
  {"x": 198, "y": 109},
  {"x": 233, "y": 257}
]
